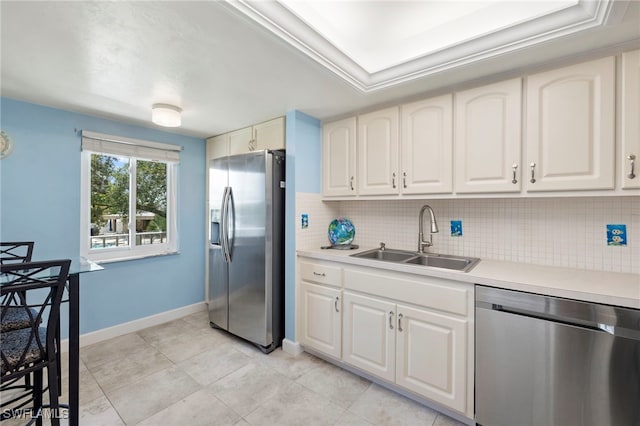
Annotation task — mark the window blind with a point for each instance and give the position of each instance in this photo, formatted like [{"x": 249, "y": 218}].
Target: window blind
[{"x": 118, "y": 145}]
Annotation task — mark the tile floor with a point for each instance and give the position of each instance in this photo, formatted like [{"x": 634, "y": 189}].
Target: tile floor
[{"x": 186, "y": 373}]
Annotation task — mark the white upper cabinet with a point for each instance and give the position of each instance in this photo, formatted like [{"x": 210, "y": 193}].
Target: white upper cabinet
[
  {"x": 426, "y": 146},
  {"x": 630, "y": 151},
  {"x": 488, "y": 138},
  {"x": 378, "y": 152},
  {"x": 240, "y": 140},
  {"x": 217, "y": 146},
  {"x": 339, "y": 157},
  {"x": 269, "y": 135},
  {"x": 571, "y": 127}
]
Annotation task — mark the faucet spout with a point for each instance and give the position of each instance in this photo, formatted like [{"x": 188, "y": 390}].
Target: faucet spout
[{"x": 432, "y": 229}]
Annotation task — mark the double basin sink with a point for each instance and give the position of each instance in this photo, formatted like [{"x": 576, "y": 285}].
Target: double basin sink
[{"x": 443, "y": 261}]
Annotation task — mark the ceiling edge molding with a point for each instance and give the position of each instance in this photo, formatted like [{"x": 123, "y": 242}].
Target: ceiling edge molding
[{"x": 585, "y": 15}]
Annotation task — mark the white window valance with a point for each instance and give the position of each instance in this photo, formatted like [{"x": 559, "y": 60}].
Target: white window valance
[{"x": 129, "y": 147}]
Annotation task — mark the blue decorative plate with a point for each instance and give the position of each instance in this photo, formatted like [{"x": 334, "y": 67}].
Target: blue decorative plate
[{"x": 341, "y": 231}]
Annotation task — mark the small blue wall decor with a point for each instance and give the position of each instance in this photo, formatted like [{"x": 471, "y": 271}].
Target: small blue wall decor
[
  {"x": 616, "y": 235},
  {"x": 456, "y": 228},
  {"x": 305, "y": 220}
]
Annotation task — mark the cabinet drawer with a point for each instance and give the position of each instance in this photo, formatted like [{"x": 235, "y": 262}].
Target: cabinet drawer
[
  {"x": 434, "y": 293},
  {"x": 322, "y": 274}
]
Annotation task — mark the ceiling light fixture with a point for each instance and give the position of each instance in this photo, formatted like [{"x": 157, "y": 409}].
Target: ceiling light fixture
[{"x": 166, "y": 115}]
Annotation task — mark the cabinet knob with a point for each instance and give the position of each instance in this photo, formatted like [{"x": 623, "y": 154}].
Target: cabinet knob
[
  {"x": 632, "y": 163},
  {"x": 533, "y": 172}
]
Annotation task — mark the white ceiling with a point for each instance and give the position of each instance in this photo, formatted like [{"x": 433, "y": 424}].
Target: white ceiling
[{"x": 228, "y": 65}]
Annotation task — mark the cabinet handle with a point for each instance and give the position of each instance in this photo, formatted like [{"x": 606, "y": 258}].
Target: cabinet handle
[
  {"x": 351, "y": 182},
  {"x": 515, "y": 170},
  {"x": 632, "y": 162},
  {"x": 400, "y": 322},
  {"x": 533, "y": 172},
  {"x": 252, "y": 145},
  {"x": 393, "y": 180},
  {"x": 391, "y": 320},
  {"x": 319, "y": 275},
  {"x": 335, "y": 304},
  {"x": 404, "y": 180}
]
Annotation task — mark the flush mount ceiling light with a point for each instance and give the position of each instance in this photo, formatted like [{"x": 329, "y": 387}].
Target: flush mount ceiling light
[{"x": 166, "y": 115}]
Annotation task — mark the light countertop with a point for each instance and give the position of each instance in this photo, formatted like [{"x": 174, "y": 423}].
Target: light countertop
[{"x": 611, "y": 288}]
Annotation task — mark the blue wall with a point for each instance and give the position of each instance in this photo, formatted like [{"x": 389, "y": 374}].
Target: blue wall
[
  {"x": 40, "y": 201},
  {"x": 303, "y": 175}
]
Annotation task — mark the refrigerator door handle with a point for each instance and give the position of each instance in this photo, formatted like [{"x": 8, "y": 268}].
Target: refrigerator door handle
[
  {"x": 224, "y": 231},
  {"x": 231, "y": 224}
]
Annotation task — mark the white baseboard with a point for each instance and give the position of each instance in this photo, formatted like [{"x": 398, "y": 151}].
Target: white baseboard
[
  {"x": 291, "y": 347},
  {"x": 135, "y": 325}
]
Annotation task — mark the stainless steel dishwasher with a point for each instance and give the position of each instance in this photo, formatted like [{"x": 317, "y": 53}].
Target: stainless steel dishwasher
[{"x": 547, "y": 361}]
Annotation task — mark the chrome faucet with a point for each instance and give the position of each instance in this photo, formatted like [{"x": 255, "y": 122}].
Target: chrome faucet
[{"x": 434, "y": 228}]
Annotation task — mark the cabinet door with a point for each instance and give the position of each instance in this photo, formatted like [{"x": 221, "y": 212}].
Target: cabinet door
[
  {"x": 488, "y": 138},
  {"x": 217, "y": 147},
  {"x": 570, "y": 127},
  {"x": 369, "y": 335},
  {"x": 426, "y": 146},
  {"x": 432, "y": 356},
  {"x": 339, "y": 157},
  {"x": 630, "y": 119},
  {"x": 378, "y": 152},
  {"x": 269, "y": 135},
  {"x": 322, "y": 319},
  {"x": 240, "y": 141}
]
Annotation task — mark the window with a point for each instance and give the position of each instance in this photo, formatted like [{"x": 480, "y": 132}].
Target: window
[{"x": 128, "y": 198}]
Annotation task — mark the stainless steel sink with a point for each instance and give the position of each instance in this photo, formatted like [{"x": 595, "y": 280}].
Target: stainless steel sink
[
  {"x": 389, "y": 255},
  {"x": 455, "y": 263},
  {"x": 443, "y": 261}
]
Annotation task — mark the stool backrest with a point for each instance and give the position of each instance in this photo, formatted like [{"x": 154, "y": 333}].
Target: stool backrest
[
  {"x": 15, "y": 252},
  {"x": 35, "y": 289}
]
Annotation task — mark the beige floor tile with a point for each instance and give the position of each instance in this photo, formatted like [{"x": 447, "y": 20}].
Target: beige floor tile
[
  {"x": 116, "y": 348},
  {"x": 154, "y": 393},
  {"x": 201, "y": 408},
  {"x": 188, "y": 343},
  {"x": 199, "y": 319},
  {"x": 295, "y": 405},
  {"x": 336, "y": 384},
  {"x": 214, "y": 364},
  {"x": 382, "y": 407},
  {"x": 290, "y": 366},
  {"x": 248, "y": 387},
  {"x": 89, "y": 388},
  {"x": 241, "y": 422},
  {"x": 165, "y": 330},
  {"x": 443, "y": 420},
  {"x": 99, "y": 412},
  {"x": 349, "y": 419},
  {"x": 125, "y": 371}
]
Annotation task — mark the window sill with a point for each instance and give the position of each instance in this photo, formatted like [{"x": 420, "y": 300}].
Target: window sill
[{"x": 135, "y": 257}]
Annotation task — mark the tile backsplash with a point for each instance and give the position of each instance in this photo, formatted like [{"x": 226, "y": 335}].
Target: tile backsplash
[{"x": 568, "y": 232}]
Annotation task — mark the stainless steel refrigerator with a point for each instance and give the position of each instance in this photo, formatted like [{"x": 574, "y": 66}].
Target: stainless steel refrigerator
[{"x": 246, "y": 248}]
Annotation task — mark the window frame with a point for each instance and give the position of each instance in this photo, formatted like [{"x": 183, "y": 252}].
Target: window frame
[{"x": 132, "y": 251}]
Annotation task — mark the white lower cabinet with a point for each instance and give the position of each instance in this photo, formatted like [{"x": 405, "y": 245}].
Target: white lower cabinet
[
  {"x": 412, "y": 331},
  {"x": 322, "y": 320},
  {"x": 369, "y": 337},
  {"x": 431, "y": 355}
]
